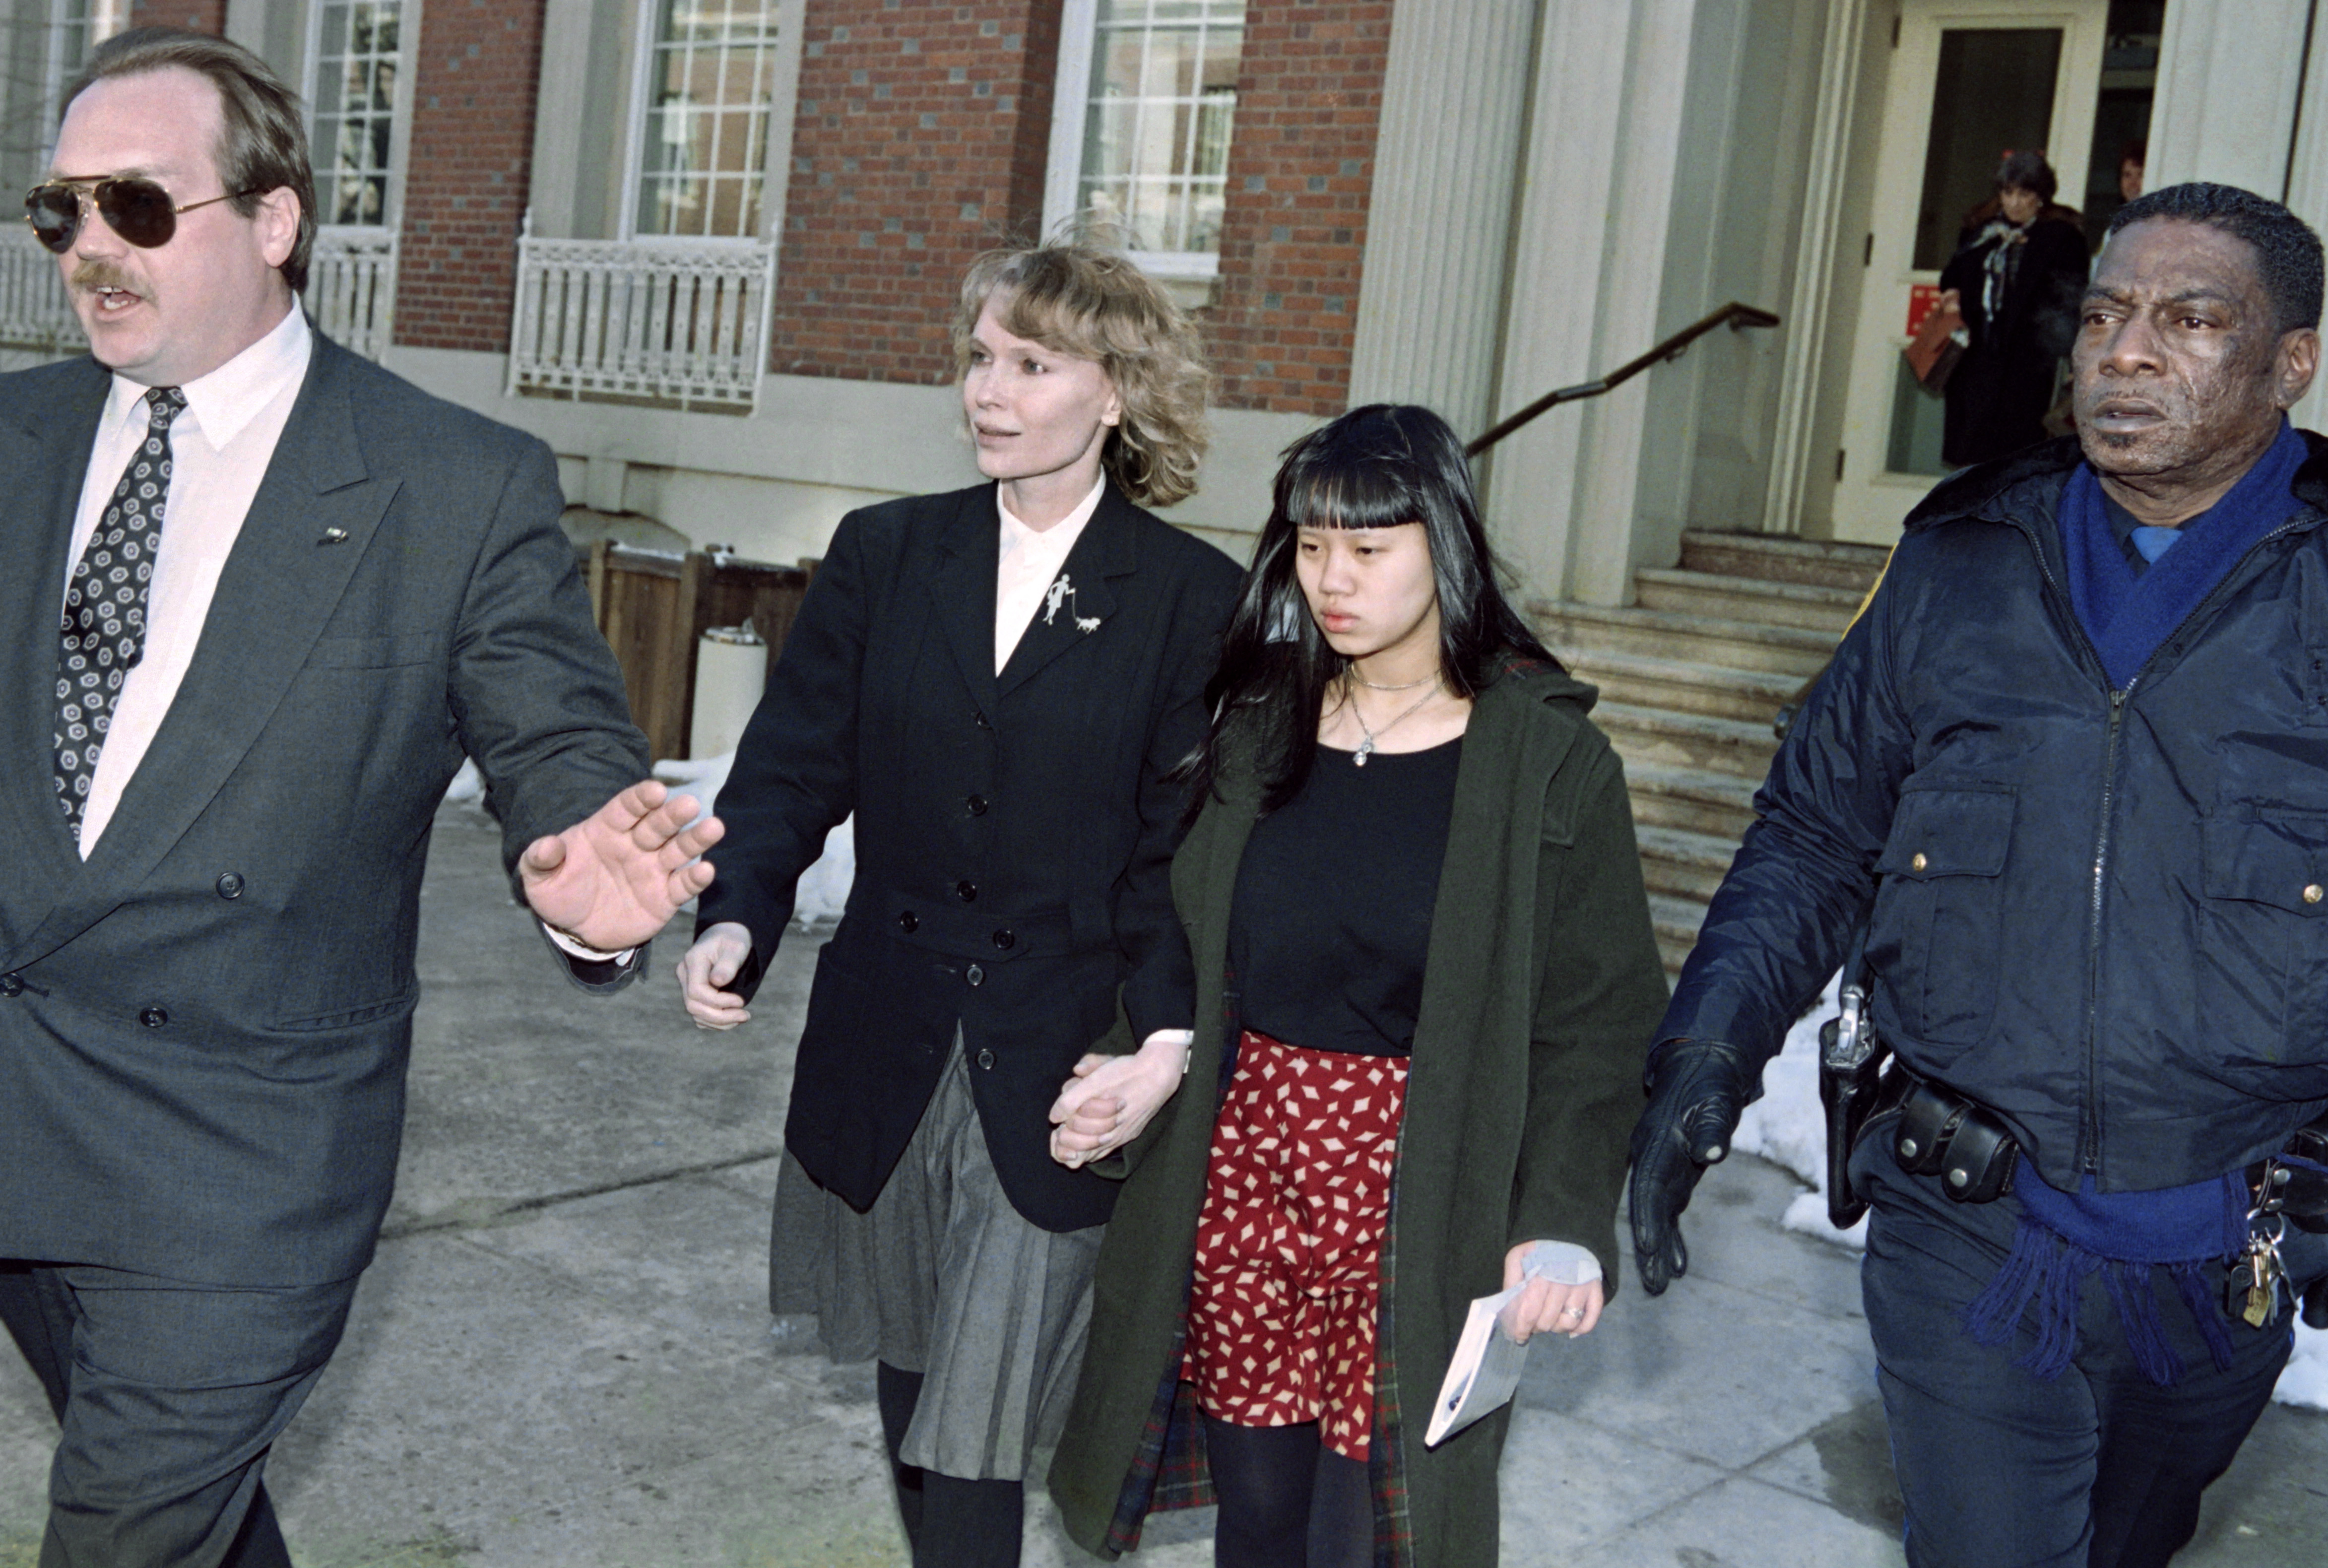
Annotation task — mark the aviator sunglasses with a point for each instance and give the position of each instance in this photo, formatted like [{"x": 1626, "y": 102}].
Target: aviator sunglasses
[{"x": 139, "y": 211}]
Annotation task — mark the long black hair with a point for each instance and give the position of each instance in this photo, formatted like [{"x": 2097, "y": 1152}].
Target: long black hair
[{"x": 1378, "y": 466}]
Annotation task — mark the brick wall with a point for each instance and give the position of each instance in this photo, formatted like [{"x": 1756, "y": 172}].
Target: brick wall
[
  {"x": 195, "y": 15},
  {"x": 465, "y": 192},
  {"x": 1301, "y": 166},
  {"x": 920, "y": 140}
]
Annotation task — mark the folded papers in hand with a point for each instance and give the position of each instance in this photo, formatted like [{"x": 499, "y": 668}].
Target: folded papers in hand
[{"x": 1486, "y": 1370}]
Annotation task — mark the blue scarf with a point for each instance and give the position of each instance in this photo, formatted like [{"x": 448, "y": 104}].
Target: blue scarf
[
  {"x": 2064, "y": 1237},
  {"x": 2127, "y": 617}
]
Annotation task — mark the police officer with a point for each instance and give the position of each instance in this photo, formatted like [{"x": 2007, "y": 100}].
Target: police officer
[{"x": 2069, "y": 774}]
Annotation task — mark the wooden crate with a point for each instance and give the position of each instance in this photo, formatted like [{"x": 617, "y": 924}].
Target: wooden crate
[{"x": 653, "y": 607}]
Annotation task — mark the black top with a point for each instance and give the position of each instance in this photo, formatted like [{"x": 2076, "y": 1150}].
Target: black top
[{"x": 1334, "y": 896}]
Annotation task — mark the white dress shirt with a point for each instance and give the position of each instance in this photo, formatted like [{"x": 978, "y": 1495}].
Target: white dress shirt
[
  {"x": 1031, "y": 557},
  {"x": 220, "y": 443}
]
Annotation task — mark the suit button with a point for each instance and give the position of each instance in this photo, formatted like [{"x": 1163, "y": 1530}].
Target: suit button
[
  {"x": 986, "y": 1060},
  {"x": 153, "y": 1017},
  {"x": 980, "y": 719},
  {"x": 229, "y": 886},
  {"x": 2311, "y": 892},
  {"x": 1006, "y": 940},
  {"x": 975, "y": 975},
  {"x": 12, "y": 985},
  {"x": 1919, "y": 863},
  {"x": 966, "y": 891},
  {"x": 909, "y": 922},
  {"x": 977, "y": 804}
]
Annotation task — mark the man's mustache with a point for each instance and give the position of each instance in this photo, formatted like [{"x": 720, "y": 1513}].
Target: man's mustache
[{"x": 91, "y": 276}]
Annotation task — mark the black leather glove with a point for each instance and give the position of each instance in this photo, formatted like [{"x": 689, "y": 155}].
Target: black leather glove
[{"x": 1697, "y": 1090}]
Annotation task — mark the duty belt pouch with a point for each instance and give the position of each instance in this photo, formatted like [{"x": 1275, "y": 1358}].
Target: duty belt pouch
[
  {"x": 1943, "y": 1134},
  {"x": 1851, "y": 1071}
]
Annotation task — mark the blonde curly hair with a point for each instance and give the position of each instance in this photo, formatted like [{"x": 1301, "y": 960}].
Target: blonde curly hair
[{"x": 1076, "y": 298}]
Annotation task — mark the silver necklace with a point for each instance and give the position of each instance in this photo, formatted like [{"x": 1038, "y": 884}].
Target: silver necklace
[
  {"x": 1352, "y": 671},
  {"x": 1367, "y": 747}
]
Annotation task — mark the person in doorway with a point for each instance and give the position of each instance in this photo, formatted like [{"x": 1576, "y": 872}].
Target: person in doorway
[
  {"x": 263, "y": 596},
  {"x": 2070, "y": 777},
  {"x": 2131, "y": 160},
  {"x": 2014, "y": 279},
  {"x": 1423, "y": 957},
  {"x": 998, "y": 683}
]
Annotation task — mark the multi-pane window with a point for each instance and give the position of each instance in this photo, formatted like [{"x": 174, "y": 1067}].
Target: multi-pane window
[
  {"x": 76, "y": 27},
  {"x": 358, "y": 45},
  {"x": 1156, "y": 120},
  {"x": 710, "y": 84}
]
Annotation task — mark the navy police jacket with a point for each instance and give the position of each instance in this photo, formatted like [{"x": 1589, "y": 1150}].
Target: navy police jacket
[{"x": 2101, "y": 913}]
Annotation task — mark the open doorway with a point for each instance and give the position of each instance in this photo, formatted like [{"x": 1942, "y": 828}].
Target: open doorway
[{"x": 1968, "y": 81}]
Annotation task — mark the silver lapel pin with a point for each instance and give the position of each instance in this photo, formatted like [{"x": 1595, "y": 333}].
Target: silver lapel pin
[
  {"x": 1060, "y": 593},
  {"x": 333, "y": 536}
]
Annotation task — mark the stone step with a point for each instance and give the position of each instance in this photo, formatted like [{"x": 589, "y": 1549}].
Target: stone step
[
  {"x": 1676, "y": 921},
  {"x": 1656, "y": 737},
  {"x": 1682, "y": 864},
  {"x": 1812, "y": 606},
  {"x": 1645, "y": 682},
  {"x": 1782, "y": 560},
  {"x": 1586, "y": 629},
  {"x": 1691, "y": 799}
]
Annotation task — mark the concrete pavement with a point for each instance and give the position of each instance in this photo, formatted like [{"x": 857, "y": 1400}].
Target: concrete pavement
[{"x": 562, "y": 1357}]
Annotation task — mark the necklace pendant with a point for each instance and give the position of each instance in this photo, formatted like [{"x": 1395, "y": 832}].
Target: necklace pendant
[{"x": 1366, "y": 749}]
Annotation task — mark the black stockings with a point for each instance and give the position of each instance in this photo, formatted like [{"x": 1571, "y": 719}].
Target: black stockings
[
  {"x": 1287, "y": 1500},
  {"x": 950, "y": 1523}
]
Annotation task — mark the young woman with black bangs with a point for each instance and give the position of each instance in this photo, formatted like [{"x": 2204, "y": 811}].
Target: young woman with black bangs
[{"x": 1424, "y": 963}]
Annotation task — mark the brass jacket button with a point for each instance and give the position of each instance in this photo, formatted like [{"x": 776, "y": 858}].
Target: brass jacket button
[
  {"x": 2312, "y": 894},
  {"x": 1919, "y": 863}
]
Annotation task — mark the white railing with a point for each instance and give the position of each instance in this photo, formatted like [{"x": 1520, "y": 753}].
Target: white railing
[
  {"x": 657, "y": 320},
  {"x": 351, "y": 293},
  {"x": 34, "y": 312},
  {"x": 351, "y": 287}
]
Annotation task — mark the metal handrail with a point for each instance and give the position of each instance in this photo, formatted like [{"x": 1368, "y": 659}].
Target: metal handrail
[{"x": 1733, "y": 315}]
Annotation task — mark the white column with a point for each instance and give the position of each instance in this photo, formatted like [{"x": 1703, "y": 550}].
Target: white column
[
  {"x": 1439, "y": 220},
  {"x": 2228, "y": 76},
  {"x": 1589, "y": 289},
  {"x": 1560, "y": 249}
]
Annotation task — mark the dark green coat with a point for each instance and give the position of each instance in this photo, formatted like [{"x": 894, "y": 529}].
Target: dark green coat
[{"x": 1541, "y": 987}]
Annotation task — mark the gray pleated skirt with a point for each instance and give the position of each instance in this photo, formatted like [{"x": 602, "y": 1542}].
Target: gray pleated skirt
[{"x": 943, "y": 1277}]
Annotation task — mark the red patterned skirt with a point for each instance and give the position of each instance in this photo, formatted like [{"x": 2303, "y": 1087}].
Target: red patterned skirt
[{"x": 1289, "y": 1243}]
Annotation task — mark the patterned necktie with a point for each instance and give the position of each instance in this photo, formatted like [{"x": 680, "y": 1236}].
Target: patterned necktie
[{"x": 104, "y": 627}]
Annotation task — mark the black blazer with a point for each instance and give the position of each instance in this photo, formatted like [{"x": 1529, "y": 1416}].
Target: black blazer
[
  {"x": 1014, "y": 833},
  {"x": 203, "y": 1028}
]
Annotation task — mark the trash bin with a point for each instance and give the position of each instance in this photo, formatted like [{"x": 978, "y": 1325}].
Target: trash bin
[{"x": 731, "y": 667}]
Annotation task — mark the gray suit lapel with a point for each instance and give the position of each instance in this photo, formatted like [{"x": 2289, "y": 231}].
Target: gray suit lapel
[
  {"x": 43, "y": 457},
  {"x": 280, "y": 585}
]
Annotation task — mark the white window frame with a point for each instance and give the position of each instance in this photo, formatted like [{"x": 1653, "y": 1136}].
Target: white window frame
[
  {"x": 775, "y": 167},
  {"x": 399, "y": 135},
  {"x": 1063, "y": 176},
  {"x": 54, "y": 76}
]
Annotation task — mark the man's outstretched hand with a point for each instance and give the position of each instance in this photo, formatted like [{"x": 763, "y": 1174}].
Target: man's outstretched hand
[
  {"x": 1696, "y": 1094},
  {"x": 617, "y": 877}
]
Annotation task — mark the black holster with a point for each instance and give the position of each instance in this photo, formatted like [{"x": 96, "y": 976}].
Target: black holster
[{"x": 1851, "y": 1076}]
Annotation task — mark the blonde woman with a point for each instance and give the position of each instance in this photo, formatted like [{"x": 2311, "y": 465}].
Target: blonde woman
[{"x": 998, "y": 683}]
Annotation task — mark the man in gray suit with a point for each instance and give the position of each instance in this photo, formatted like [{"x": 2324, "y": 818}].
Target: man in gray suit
[{"x": 262, "y": 598}]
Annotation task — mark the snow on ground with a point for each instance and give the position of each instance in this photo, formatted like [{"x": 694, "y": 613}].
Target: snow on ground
[
  {"x": 1788, "y": 1126},
  {"x": 823, "y": 888}
]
